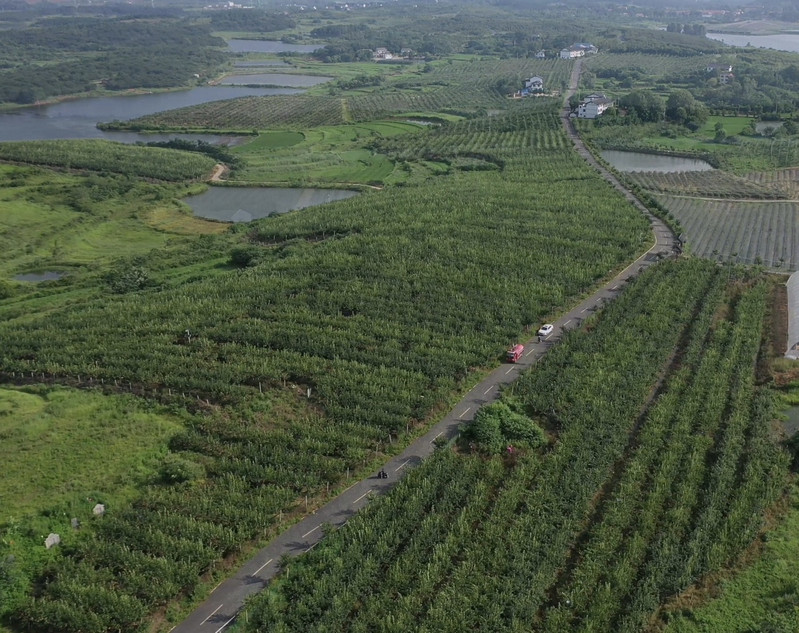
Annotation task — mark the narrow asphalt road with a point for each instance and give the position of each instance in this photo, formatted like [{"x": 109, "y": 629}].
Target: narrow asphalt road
[{"x": 223, "y": 604}]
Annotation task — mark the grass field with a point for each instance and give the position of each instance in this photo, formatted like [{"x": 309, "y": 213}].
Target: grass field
[
  {"x": 70, "y": 444},
  {"x": 58, "y": 221},
  {"x": 322, "y": 155},
  {"x": 761, "y": 597}
]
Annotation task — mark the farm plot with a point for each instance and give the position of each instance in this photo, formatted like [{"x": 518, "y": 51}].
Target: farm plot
[
  {"x": 714, "y": 183},
  {"x": 513, "y": 133},
  {"x": 459, "y": 87},
  {"x": 501, "y": 545},
  {"x": 747, "y": 232},
  {"x": 106, "y": 156},
  {"x": 247, "y": 114},
  {"x": 380, "y": 305},
  {"x": 650, "y": 66},
  {"x": 785, "y": 180}
]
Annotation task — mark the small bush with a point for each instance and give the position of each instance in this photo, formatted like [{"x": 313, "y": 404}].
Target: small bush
[
  {"x": 496, "y": 426},
  {"x": 176, "y": 469}
]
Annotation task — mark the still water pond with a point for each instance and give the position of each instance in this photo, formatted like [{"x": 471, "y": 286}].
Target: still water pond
[
  {"x": 268, "y": 46},
  {"x": 274, "y": 79},
  {"x": 47, "y": 275},
  {"x": 791, "y": 423},
  {"x": 243, "y": 204},
  {"x": 780, "y": 41},
  {"x": 78, "y": 119},
  {"x": 763, "y": 126},
  {"x": 639, "y": 161}
]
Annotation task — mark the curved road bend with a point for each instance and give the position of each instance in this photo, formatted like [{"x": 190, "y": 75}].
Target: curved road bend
[{"x": 223, "y": 604}]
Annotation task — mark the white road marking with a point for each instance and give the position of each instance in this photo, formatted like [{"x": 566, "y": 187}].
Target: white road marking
[
  {"x": 311, "y": 547},
  {"x": 212, "y": 613},
  {"x": 219, "y": 630},
  {"x": 311, "y": 531},
  {"x": 401, "y": 465},
  {"x": 262, "y": 566},
  {"x": 361, "y": 497},
  {"x": 529, "y": 352},
  {"x": 567, "y": 323},
  {"x": 583, "y": 310},
  {"x": 487, "y": 390},
  {"x": 436, "y": 437},
  {"x": 465, "y": 412},
  {"x": 509, "y": 371}
]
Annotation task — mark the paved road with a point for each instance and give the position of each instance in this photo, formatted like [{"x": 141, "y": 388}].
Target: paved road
[{"x": 222, "y": 606}]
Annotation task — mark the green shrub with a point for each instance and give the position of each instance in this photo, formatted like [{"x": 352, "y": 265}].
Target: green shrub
[{"x": 496, "y": 426}]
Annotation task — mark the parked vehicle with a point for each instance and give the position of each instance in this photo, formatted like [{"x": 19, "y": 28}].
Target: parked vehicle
[
  {"x": 514, "y": 353},
  {"x": 546, "y": 329}
]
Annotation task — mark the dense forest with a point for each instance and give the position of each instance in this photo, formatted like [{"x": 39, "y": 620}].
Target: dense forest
[{"x": 141, "y": 48}]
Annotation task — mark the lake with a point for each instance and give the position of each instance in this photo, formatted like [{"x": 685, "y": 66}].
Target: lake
[
  {"x": 640, "y": 161},
  {"x": 780, "y": 41},
  {"x": 270, "y": 46},
  {"x": 78, "y": 118},
  {"x": 244, "y": 204},
  {"x": 275, "y": 79}
]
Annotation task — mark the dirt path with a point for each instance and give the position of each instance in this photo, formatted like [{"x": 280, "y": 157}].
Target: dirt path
[{"x": 219, "y": 171}]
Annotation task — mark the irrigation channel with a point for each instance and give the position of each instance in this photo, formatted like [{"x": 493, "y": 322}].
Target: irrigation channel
[{"x": 222, "y": 606}]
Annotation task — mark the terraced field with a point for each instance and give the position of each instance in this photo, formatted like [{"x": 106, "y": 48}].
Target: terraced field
[
  {"x": 749, "y": 232},
  {"x": 714, "y": 184}
]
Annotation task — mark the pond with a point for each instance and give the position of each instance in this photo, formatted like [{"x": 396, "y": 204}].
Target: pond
[
  {"x": 640, "y": 161},
  {"x": 762, "y": 126},
  {"x": 244, "y": 204},
  {"x": 270, "y": 46},
  {"x": 274, "y": 79},
  {"x": 47, "y": 275},
  {"x": 779, "y": 41},
  {"x": 791, "y": 423},
  {"x": 79, "y": 118}
]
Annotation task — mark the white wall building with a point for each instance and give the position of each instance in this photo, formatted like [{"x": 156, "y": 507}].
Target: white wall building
[{"x": 592, "y": 108}]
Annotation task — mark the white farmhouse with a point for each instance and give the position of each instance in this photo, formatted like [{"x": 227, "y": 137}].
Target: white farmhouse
[
  {"x": 592, "y": 106},
  {"x": 534, "y": 84},
  {"x": 578, "y": 50},
  {"x": 571, "y": 53}
]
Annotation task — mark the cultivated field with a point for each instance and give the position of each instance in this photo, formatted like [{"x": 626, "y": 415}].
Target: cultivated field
[
  {"x": 636, "y": 498},
  {"x": 712, "y": 184},
  {"x": 749, "y": 232}
]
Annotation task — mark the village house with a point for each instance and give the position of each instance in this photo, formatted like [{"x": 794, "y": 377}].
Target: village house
[
  {"x": 534, "y": 84},
  {"x": 593, "y": 106},
  {"x": 571, "y": 53},
  {"x": 578, "y": 50},
  {"x": 382, "y": 53},
  {"x": 541, "y": 54}
]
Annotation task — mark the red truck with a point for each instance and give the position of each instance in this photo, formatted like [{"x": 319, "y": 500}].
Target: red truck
[{"x": 514, "y": 353}]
